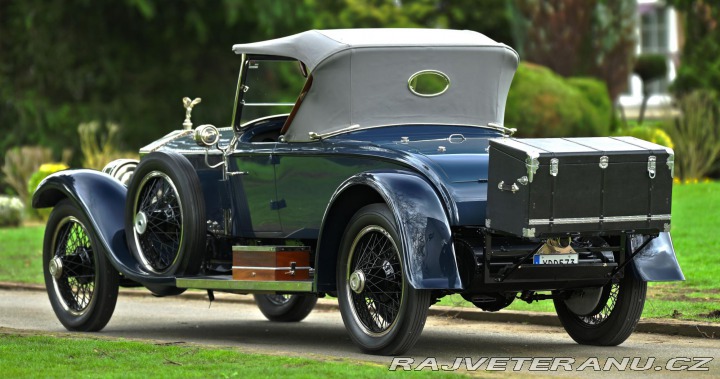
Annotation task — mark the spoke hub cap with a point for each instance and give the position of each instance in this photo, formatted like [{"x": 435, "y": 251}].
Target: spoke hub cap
[
  {"x": 140, "y": 223},
  {"x": 56, "y": 267},
  {"x": 357, "y": 281}
]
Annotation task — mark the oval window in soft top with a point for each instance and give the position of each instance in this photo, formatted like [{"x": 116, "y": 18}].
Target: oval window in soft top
[{"x": 428, "y": 83}]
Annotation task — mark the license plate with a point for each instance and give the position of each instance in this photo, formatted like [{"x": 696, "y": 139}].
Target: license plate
[{"x": 555, "y": 259}]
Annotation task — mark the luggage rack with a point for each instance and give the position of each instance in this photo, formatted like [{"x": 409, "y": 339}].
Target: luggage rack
[{"x": 522, "y": 269}]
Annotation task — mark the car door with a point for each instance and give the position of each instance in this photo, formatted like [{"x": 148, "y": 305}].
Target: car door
[{"x": 251, "y": 178}]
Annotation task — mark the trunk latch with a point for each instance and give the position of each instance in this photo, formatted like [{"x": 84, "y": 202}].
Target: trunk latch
[
  {"x": 532, "y": 163},
  {"x": 604, "y": 160},
  {"x": 651, "y": 166}
]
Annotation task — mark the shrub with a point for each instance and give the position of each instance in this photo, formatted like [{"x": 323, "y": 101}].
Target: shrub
[
  {"x": 696, "y": 134},
  {"x": 600, "y": 108},
  {"x": 543, "y": 104},
  {"x": 20, "y": 163},
  {"x": 43, "y": 172},
  {"x": 98, "y": 144},
  {"x": 651, "y": 67},
  {"x": 648, "y": 133},
  {"x": 11, "y": 210}
]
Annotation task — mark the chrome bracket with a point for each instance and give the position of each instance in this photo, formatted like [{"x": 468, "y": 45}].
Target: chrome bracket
[
  {"x": 528, "y": 232},
  {"x": 651, "y": 166},
  {"x": 604, "y": 160},
  {"x": 554, "y": 166},
  {"x": 487, "y": 222},
  {"x": 512, "y": 188},
  {"x": 532, "y": 163},
  {"x": 523, "y": 180},
  {"x": 671, "y": 164},
  {"x": 293, "y": 267}
]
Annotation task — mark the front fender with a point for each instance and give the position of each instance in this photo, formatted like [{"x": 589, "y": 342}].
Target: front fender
[
  {"x": 422, "y": 221},
  {"x": 102, "y": 199},
  {"x": 657, "y": 262}
]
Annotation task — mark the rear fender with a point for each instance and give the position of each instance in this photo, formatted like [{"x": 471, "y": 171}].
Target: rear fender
[
  {"x": 424, "y": 230},
  {"x": 657, "y": 261},
  {"x": 102, "y": 199}
]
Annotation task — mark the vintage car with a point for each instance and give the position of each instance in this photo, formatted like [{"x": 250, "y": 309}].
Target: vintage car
[{"x": 373, "y": 166}]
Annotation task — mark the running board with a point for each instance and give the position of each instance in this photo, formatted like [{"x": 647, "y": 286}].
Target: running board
[{"x": 226, "y": 283}]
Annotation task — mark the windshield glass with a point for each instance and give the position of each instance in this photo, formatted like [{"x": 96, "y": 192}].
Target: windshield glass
[{"x": 273, "y": 87}]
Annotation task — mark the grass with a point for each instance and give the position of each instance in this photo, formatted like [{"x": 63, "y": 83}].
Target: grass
[
  {"x": 21, "y": 254},
  {"x": 696, "y": 219},
  {"x": 46, "y": 356}
]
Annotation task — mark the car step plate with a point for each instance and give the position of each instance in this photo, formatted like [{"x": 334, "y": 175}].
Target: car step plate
[{"x": 555, "y": 259}]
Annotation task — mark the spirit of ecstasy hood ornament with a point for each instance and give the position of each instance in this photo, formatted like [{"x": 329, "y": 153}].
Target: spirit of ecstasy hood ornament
[{"x": 189, "y": 104}]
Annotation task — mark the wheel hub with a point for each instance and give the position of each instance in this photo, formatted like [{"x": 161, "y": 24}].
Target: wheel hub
[
  {"x": 140, "y": 222},
  {"x": 584, "y": 301},
  {"x": 56, "y": 267},
  {"x": 357, "y": 281}
]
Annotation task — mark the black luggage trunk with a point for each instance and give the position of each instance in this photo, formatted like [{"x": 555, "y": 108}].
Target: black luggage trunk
[{"x": 558, "y": 186}]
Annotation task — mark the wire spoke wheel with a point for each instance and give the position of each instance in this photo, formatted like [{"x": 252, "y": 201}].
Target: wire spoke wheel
[
  {"x": 165, "y": 222},
  {"x": 605, "y": 307},
  {"x": 73, "y": 266},
  {"x": 158, "y": 221},
  {"x": 286, "y": 308},
  {"x": 382, "y": 312},
  {"x": 613, "y": 319},
  {"x": 82, "y": 285},
  {"x": 375, "y": 257}
]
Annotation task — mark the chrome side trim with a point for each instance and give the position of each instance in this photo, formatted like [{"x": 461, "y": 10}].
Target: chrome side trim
[
  {"x": 175, "y": 134},
  {"x": 269, "y": 268},
  {"x": 192, "y": 152},
  {"x": 355, "y": 128},
  {"x": 226, "y": 283},
  {"x": 254, "y": 121},
  {"x": 268, "y": 104},
  {"x": 595, "y": 220},
  {"x": 269, "y": 248}
]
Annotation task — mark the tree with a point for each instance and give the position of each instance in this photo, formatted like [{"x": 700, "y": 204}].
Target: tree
[
  {"x": 699, "y": 66},
  {"x": 579, "y": 37}
]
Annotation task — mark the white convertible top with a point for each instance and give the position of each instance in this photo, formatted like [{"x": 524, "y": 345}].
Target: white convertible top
[
  {"x": 360, "y": 77},
  {"x": 314, "y": 46}
]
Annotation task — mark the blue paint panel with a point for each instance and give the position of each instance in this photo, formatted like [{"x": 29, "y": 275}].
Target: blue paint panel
[
  {"x": 102, "y": 198},
  {"x": 423, "y": 225},
  {"x": 657, "y": 261}
]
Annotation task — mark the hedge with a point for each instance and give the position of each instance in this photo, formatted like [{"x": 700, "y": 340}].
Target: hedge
[{"x": 544, "y": 104}]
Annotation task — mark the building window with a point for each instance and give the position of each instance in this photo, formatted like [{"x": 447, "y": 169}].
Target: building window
[{"x": 654, "y": 38}]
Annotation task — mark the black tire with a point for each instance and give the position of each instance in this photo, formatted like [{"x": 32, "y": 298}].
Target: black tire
[
  {"x": 165, "y": 215},
  {"x": 82, "y": 284},
  {"x": 614, "y": 318},
  {"x": 286, "y": 308},
  {"x": 384, "y": 314}
]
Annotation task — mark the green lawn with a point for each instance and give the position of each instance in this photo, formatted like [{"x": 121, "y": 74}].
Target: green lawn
[
  {"x": 49, "y": 356},
  {"x": 21, "y": 254},
  {"x": 696, "y": 218}
]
